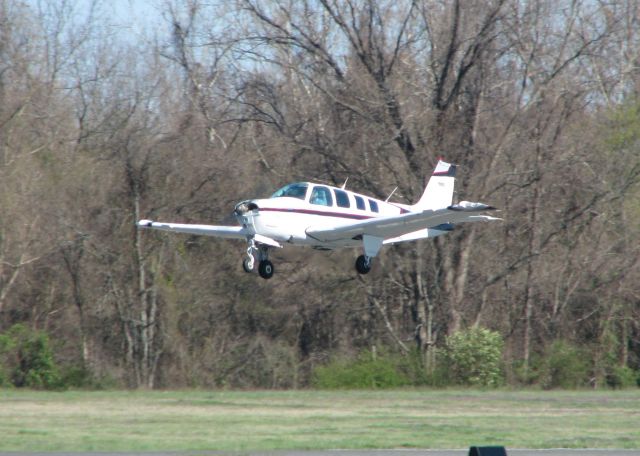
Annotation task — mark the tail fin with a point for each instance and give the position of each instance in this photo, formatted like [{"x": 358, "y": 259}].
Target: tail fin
[{"x": 439, "y": 190}]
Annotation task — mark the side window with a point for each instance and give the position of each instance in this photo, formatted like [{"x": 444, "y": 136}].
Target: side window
[
  {"x": 321, "y": 196},
  {"x": 342, "y": 199},
  {"x": 373, "y": 205},
  {"x": 360, "y": 203},
  {"x": 298, "y": 190}
]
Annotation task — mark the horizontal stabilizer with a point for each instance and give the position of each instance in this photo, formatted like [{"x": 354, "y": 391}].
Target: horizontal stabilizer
[{"x": 439, "y": 221}]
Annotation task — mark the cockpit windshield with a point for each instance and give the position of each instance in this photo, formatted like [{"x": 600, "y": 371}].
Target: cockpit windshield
[{"x": 297, "y": 190}]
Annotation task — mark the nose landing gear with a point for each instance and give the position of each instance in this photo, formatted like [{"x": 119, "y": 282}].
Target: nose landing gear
[
  {"x": 265, "y": 267},
  {"x": 249, "y": 262}
]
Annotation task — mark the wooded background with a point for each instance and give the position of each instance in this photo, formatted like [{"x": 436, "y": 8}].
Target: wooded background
[{"x": 536, "y": 101}]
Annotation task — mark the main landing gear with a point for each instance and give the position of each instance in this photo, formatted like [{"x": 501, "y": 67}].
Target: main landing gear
[
  {"x": 363, "y": 264},
  {"x": 265, "y": 267},
  {"x": 259, "y": 252},
  {"x": 372, "y": 245}
]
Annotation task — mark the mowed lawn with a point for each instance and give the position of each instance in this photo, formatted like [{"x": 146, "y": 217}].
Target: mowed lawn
[{"x": 267, "y": 420}]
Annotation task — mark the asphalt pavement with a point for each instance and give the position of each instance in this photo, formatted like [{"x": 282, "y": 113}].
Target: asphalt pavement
[{"x": 394, "y": 452}]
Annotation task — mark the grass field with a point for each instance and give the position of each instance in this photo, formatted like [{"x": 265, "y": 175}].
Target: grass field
[{"x": 266, "y": 420}]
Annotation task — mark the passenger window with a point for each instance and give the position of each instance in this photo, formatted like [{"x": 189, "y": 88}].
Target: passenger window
[
  {"x": 321, "y": 196},
  {"x": 373, "y": 205},
  {"x": 342, "y": 199},
  {"x": 360, "y": 202}
]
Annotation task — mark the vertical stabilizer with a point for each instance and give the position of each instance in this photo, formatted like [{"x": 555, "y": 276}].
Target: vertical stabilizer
[{"x": 439, "y": 190}]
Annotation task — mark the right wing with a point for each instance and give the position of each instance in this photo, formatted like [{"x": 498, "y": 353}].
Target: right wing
[
  {"x": 229, "y": 232},
  {"x": 233, "y": 232}
]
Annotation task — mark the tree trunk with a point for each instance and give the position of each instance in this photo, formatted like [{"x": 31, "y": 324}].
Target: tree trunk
[{"x": 532, "y": 245}]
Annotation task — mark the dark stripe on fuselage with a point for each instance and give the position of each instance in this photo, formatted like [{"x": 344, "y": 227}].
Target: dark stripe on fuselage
[{"x": 313, "y": 212}]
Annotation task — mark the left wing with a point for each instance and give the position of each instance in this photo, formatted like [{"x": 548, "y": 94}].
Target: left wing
[{"x": 398, "y": 225}]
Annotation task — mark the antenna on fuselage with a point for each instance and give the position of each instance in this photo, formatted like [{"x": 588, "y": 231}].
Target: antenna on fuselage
[
  {"x": 391, "y": 194},
  {"x": 345, "y": 183}
]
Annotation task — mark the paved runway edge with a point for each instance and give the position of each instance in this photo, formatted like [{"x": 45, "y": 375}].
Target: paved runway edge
[{"x": 391, "y": 452}]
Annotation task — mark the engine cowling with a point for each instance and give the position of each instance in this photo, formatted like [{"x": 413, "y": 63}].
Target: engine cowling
[{"x": 245, "y": 207}]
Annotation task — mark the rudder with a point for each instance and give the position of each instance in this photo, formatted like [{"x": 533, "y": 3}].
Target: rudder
[{"x": 439, "y": 190}]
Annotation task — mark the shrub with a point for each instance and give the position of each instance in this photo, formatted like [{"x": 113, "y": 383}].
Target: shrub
[
  {"x": 4, "y": 378},
  {"x": 561, "y": 365},
  {"x": 76, "y": 376},
  {"x": 79, "y": 376},
  {"x": 27, "y": 359},
  {"x": 474, "y": 357},
  {"x": 367, "y": 371},
  {"x": 623, "y": 377},
  {"x": 564, "y": 366}
]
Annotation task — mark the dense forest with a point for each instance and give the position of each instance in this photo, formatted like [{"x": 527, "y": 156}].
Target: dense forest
[{"x": 536, "y": 101}]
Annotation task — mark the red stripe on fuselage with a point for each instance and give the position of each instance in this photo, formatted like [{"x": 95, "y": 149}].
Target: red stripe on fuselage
[{"x": 312, "y": 212}]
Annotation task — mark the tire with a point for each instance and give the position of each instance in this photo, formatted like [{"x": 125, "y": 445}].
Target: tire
[
  {"x": 265, "y": 269},
  {"x": 361, "y": 265},
  {"x": 245, "y": 265}
]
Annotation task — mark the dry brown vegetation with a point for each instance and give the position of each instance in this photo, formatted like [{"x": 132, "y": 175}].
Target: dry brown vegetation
[{"x": 536, "y": 101}]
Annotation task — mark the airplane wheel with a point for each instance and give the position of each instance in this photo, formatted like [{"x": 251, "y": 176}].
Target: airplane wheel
[
  {"x": 362, "y": 265},
  {"x": 245, "y": 265},
  {"x": 265, "y": 269}
]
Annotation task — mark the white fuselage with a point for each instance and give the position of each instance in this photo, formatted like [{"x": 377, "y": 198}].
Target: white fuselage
[
  {"x": 326, "y": 217},
  {"x": 288, "y": 218}
]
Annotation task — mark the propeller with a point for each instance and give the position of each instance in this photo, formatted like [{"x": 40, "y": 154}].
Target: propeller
[
  {"x": 230, "y": 219},
  {"x": 245, "y": 206}
]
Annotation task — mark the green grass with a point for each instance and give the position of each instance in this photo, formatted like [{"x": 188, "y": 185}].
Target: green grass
[{"x": 267, "y": 420}]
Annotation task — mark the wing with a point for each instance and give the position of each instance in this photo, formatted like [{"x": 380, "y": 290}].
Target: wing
[
  {"x": 230, "y": 232},
  {"x": 234, "y": 232},
  {"x": 396, "y": 226}
]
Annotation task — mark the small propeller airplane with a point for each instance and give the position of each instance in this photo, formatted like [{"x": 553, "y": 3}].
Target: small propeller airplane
[{"x": 327, "y": 218}]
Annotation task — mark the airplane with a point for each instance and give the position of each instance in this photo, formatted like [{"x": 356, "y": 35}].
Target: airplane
[{"x": 325, "y": 217}]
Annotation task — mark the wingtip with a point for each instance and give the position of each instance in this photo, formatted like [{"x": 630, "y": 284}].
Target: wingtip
[{"x": 145, "y": 223}]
